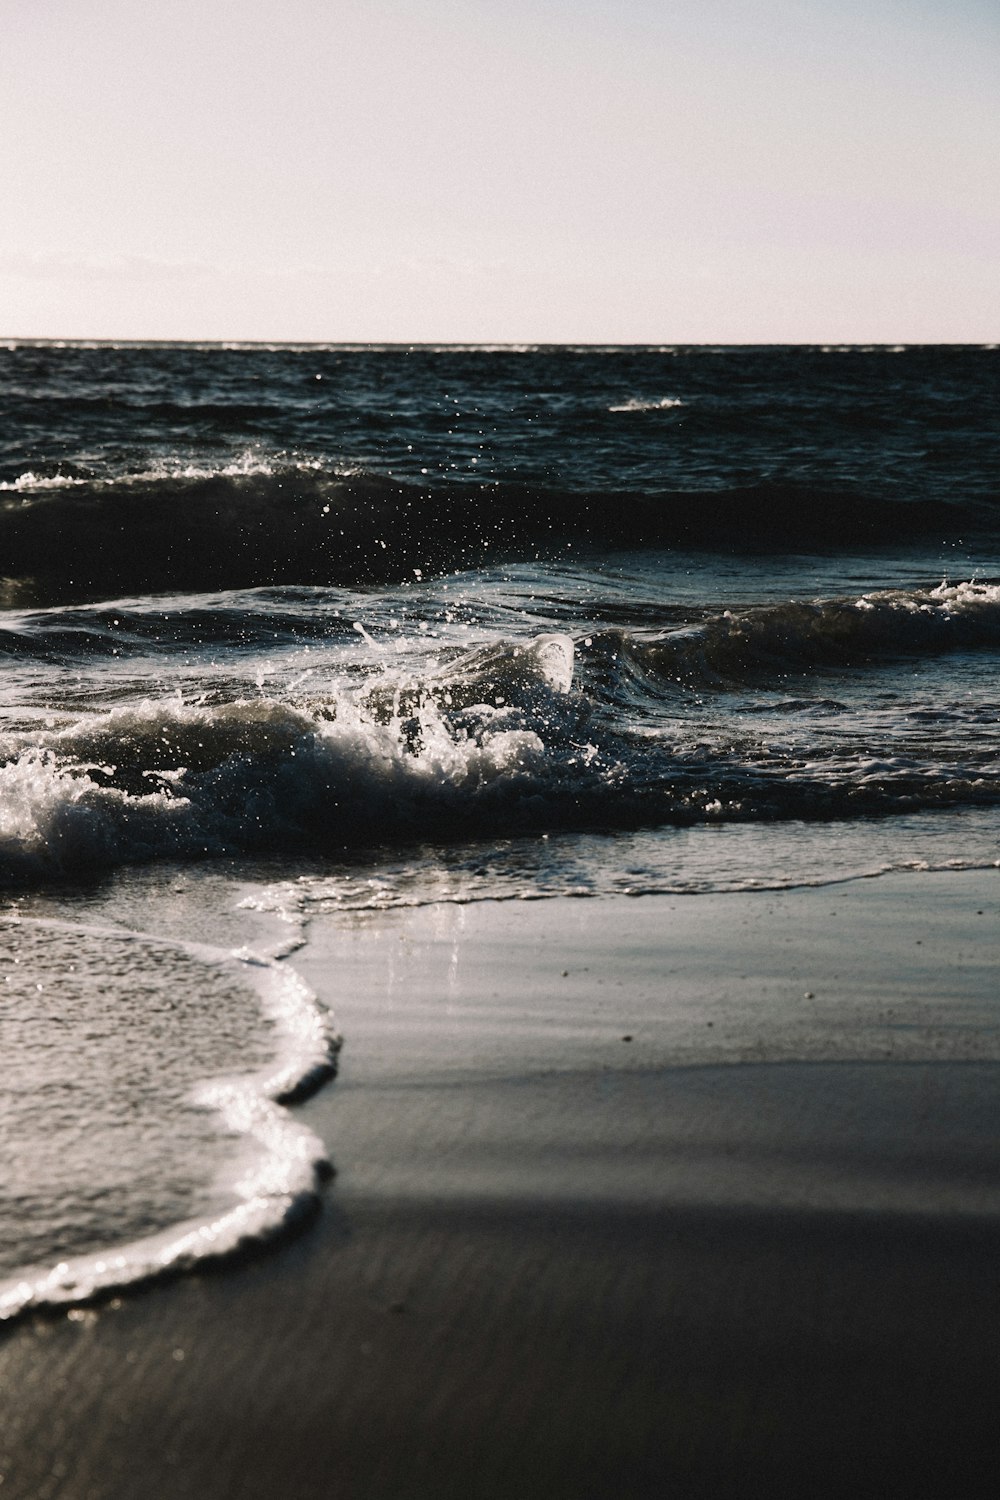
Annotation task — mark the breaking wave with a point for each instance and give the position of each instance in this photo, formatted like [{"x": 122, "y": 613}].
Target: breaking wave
[{"x": 505, "y": 739}]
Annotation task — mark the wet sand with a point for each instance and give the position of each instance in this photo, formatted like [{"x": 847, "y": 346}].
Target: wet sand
[{"x": 674, "y": 1196}]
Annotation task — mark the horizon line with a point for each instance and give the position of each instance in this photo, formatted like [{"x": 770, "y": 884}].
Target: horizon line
[{"x": 86, "y": 341}]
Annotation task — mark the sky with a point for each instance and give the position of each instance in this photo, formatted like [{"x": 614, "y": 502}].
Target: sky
[{"x": 593, "y": 171}]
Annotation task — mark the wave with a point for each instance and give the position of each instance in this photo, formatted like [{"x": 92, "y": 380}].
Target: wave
[
  {"x": 162, "y": 779},
  {"x": 246, "y": 526},
  {"x": 770, "y": 641},
  {"x": 517, "y": 738}
]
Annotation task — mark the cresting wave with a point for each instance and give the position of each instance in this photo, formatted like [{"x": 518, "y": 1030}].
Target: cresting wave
[
  {"x": 80, "y": 538},
  {"x": 277, "y": 1181},
  {"x": 162, "y": 779},
  {"x": 745, "y": 646},
  {"x": 513, "y": 738}
]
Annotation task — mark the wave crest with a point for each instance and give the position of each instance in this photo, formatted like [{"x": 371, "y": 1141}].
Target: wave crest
[
  {"x": 248, "y": 525},
  {"x": 743, "y": 646}
]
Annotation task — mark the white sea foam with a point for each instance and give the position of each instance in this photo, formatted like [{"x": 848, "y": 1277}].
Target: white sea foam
[
  {"x": 247, "y": 465},
  {"x": 29, "y": 481},
  {"x": 275, "y": 1177},
  {"x": 636, "y": 403}
]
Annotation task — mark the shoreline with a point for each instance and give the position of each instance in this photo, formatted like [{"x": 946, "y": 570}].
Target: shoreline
[{"x": 685, "y": 1195}]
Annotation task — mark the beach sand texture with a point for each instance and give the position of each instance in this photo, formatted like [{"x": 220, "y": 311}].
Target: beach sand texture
[{"x": 679, "y": 1196}]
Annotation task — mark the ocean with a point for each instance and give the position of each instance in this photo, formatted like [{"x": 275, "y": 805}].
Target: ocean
[{"x": 296, "y": 632}]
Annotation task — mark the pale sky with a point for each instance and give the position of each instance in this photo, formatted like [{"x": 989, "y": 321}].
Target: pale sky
[{"x": 611, "y": 171}]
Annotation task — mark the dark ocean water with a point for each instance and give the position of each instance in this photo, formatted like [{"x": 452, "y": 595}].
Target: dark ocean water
[
  {"x": 152, "y": 468},
  {"x": 382, "y": 626}
]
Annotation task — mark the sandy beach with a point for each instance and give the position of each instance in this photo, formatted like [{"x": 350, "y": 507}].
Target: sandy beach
[{"x": 686, "y": 1196}]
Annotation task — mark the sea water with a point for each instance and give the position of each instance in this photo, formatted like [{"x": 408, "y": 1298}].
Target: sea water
[{"x": 307, "y": 629}]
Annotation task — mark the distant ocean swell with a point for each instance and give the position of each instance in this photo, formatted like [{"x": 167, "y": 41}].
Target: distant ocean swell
[{"x": 65, "y": 537}]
